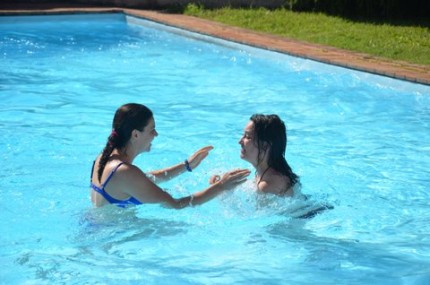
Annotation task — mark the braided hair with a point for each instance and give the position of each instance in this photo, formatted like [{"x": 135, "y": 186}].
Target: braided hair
[
  {"x": 127, "y": 118},
  {"x": 270, "y": 130}
]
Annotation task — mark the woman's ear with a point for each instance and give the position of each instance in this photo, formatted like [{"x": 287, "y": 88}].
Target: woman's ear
[
  {"x": 265, "y": 146},
  {"x": 135, "y": 134}
]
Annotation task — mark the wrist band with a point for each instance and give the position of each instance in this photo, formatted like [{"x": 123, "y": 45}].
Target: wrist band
[{"x": 187, "y": 165}]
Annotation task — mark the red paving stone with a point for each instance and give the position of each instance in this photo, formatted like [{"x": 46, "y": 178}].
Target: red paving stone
[{"x": 359, "y": 61}]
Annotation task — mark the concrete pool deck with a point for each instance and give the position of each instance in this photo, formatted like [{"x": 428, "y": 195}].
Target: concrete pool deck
[{"x": 354, "y": 60}]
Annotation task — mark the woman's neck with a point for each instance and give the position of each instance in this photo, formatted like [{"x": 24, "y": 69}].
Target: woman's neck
[
  {"x": 124, "y": 155},
  {"x": 261, "y": 168}
]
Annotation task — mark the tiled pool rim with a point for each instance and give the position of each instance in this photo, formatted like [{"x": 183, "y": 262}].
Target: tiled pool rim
[{"x": 353, "y": 60}]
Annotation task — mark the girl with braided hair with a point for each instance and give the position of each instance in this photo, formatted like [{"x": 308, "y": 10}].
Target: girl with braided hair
[{"x": 115, "y": 180}]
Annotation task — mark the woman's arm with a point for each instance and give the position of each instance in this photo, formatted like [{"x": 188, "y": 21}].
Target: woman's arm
[
  {"x": 173, "y": 171},
  {"x": 136, "y": 184},
  {"x": 227, "y": 182}
]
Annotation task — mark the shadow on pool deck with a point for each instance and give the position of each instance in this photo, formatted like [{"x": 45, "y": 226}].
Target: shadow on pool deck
[{"x": 359, "y": 61}]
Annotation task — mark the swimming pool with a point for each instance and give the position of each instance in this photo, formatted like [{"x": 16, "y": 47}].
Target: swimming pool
[{"x": 358, "y": 141}]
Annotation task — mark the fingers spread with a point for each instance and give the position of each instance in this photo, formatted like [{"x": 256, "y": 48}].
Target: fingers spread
[
  {"x": 240, "y": 172},
  {"x": 239, "y": 176}
]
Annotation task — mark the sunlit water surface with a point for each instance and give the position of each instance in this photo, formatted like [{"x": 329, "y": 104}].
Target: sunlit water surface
[{"x": 359, "y": 142}]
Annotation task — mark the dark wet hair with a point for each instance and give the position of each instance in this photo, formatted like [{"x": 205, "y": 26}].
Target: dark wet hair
[
  {"x": 127, "y": 118},
  {"x": 270, "y": 131}
]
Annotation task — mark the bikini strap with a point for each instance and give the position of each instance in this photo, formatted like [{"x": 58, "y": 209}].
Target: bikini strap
[
  {"x": 262, "y": 175},
  {"x": 111, "y": 174}
]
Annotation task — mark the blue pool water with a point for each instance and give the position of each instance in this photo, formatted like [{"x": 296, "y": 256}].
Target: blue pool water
[{"x": 360, "y": 142}]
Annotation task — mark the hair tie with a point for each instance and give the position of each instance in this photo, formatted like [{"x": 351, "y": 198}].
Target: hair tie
[{"x": 113, "y": 133}]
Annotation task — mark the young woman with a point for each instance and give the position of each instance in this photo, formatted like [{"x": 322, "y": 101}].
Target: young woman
[
  {"x": 115, "y": 180},
  {"x": 263, "y": 144}
]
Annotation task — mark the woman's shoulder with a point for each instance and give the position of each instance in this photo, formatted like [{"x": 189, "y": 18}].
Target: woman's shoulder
[
  {"x": 274, "y": 182},
  {"x": 130, "y": 173},
  {"x": 123, "y": 168},
  {"x": 278, "y": 178}
]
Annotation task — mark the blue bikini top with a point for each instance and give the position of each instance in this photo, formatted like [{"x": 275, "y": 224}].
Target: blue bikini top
[{"x": 101, "y": 190}]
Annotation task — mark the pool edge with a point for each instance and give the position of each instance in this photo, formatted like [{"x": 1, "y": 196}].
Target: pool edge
[{"x": 353, "y": 60}]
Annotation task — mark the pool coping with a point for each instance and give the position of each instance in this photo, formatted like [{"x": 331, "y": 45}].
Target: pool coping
[{"x": 335, "y": 56}]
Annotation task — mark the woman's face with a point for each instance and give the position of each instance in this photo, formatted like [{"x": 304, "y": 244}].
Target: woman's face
[
  {"x": 147, "y": 135},
  {"x": 249, "y": 150}
]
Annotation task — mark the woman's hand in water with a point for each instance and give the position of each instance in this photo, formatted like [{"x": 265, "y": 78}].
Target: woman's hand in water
[
  {"x": 231, "y": 179},
  {"x": 195, "y": 159}
]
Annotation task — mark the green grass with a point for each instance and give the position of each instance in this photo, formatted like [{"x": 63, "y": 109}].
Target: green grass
[{"x": 409, "y": 43}]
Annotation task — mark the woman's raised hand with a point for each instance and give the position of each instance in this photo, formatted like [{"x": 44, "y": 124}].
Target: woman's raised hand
[{"x": 195, "y": 159}]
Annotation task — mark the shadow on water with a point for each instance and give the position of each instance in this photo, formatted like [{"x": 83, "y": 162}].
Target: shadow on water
[
  {"x": 110, "y": 226},
  {"x": 301, "y": 206},
  {"x": 309, "y": 209}
]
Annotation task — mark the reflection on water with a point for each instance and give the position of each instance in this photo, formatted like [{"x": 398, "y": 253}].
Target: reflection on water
[{"x": 241, "y": 231}]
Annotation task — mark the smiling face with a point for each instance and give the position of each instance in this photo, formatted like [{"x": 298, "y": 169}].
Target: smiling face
[
  {"x": 249, "y": 149},
  {"x": 147, "y": 135}
]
